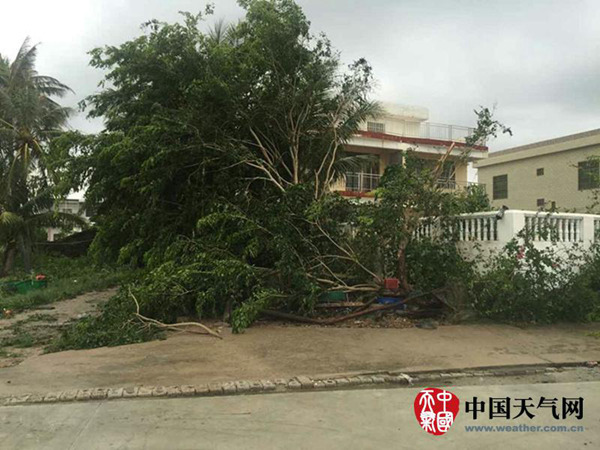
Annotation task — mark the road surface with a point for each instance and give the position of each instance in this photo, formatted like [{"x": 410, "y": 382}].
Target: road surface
[{"x": 353, "y": 419}]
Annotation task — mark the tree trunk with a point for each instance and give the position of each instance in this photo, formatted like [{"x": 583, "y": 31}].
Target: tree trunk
[
  {"x": 26, "y": 253},
  {"x": 402, "y": 268},
  {"x": 8, "y": 260}
]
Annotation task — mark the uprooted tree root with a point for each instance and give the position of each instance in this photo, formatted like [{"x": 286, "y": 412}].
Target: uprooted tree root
[{"x": 173, "y": 326}]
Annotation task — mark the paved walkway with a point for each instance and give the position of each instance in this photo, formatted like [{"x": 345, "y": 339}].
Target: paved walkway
[
  {"x": 362, "y": 419},
  {"x": 276, "y": 351}
]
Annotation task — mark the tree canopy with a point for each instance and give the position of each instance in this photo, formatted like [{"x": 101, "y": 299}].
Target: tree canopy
[
  {"x": 30, "y": 118},
  {"x": 215, "y": 168}
]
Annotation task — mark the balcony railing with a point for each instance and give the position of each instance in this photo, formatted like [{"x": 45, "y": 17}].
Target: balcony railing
[
  {"x": 361, "y": 181},
  {"x": 429, "y": 130},
  {"x": 445, "y": 132},
  {"x": 366, "y": 182},
  {"x": 448, "y": 183}
]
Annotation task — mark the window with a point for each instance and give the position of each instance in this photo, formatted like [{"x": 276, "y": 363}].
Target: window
[
  {"x": 376, "y": 127},
  {"x": 540, "y": 172},
  {"x": 589, "y": 174},
  {"x": 541, "y": 202},
  {"x": 500, "y": 187}
]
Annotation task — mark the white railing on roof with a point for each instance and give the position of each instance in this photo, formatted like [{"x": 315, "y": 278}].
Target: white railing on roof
[
  {"x": 426, "y": 130},
  {"x": 444, "y": 132}
]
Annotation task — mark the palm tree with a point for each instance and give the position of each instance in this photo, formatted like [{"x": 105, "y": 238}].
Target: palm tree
[{"x": 29, "y": 119}]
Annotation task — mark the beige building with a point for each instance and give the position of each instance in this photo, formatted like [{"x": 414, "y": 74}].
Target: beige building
[
  {"x": 71, "y": 206},
  {"x": 404, "y": 128},
  {"x": 553, "y": 173}
]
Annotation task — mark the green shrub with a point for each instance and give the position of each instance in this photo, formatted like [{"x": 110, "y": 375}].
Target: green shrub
[
  {"x": 526, "y": 284},
  {"x": 116, "y": 325},
  {"x": 435, "y": 264}
]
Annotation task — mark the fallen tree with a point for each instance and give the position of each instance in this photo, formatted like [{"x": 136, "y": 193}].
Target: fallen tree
[{"x": 215, "y": 170}]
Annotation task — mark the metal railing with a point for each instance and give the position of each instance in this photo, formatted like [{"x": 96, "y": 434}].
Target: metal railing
[
  {"x": 450, "y": 184},
  {"x": 430, "y": 130},
  {"x": 445, "y": 132},
  {"x": 362, "y": 181},
  {"x": 366, "y": 182}
]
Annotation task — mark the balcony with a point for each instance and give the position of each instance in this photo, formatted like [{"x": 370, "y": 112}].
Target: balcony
[
  {"x": 367, "y": 182},
  {"x": 361, "y": 181},
  {"x": 423, "y": 130},
  {"x": 444, "y": 132},
  {"x": 453, "y": 185}
]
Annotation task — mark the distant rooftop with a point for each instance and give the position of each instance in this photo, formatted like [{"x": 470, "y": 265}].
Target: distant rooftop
[{"x": 560, "y": 144}]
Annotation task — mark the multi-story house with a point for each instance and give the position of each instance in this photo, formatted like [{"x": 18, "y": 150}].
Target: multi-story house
[
  {"x": 403, "y": 128},
  {"x": 554, "y": 174},
  {"x": 70, "y": 206}
]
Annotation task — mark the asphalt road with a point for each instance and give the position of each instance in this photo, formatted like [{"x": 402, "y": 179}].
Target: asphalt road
[{"x": 361, "y": 419}]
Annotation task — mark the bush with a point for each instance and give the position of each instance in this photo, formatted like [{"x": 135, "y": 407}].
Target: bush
[
  {"x": 525, "y": 284},
  {"x": 116, "y": 325},
  {"x": 435, "y": 264}
]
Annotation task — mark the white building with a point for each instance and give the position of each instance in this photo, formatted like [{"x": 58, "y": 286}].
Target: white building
[{"x": 402, "y": 128}]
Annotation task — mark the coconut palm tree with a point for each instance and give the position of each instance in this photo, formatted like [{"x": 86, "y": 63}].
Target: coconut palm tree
[{"x": 29, "y": 119}]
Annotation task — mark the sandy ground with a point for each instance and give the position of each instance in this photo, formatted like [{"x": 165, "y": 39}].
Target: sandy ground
[
  {"x": 276, "y": 351},
  {"x": 44, "y": 322}
]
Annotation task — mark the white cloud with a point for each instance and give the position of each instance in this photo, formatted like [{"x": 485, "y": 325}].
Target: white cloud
[{"x": 538, "y": 60}]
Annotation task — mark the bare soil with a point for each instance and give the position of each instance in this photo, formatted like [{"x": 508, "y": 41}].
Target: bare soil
[
  {"x": 272, "y": 351},
  {"x": 25, "y": 334}
]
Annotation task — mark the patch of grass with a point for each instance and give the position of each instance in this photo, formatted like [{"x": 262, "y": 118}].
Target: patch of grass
[
  {"x": 37, "y": 318},
  {"x": 6, "y": 354},
  {"x": 67, "y": 278},
  {"x": 21, "y": 339},
  {"x": 116, "y": 325}
]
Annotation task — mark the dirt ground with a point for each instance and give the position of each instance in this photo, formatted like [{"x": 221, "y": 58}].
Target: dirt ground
[
  {"x": 283, "y": 351},
  {"x": 25, "y": 334},
  {"x": 271, "y": 350}
]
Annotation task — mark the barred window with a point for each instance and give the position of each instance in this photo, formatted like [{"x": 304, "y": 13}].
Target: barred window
[
  {"x": 376, "y": 127},
  {"x": 589, "y": 175},
  {"x": 500, "y": 187}
]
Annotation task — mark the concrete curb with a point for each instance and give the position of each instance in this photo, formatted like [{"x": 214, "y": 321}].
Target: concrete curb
[{"x": 295, "y": 384}]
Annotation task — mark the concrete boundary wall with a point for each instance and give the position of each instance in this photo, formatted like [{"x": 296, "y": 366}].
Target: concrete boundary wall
[{"x": 487, "y": 233}]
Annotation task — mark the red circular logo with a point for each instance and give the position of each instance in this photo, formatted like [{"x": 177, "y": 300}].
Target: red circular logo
[{"x": 436, "y": 409}]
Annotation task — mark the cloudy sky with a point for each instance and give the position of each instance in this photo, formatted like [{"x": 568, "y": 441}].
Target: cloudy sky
[{"x": 538, "y": 60}]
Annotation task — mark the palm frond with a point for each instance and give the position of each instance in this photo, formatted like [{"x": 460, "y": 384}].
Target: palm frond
[{"x": 56, "y": 219}]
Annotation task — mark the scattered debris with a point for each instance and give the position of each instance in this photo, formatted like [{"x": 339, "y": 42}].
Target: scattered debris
[
  {"x": 427, "y": 324},
  {"x": 175, "y": 326},
  {"x": 418, "y": 305}
]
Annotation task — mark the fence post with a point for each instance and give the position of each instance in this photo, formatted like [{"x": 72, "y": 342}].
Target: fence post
[
  {"x": 588, "y": 231},
  {"x": 510, "y": 225}
]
